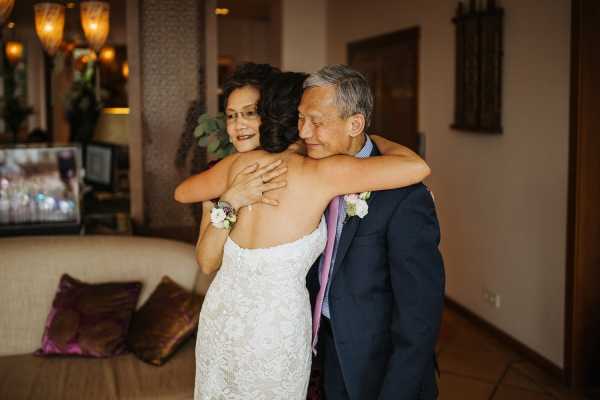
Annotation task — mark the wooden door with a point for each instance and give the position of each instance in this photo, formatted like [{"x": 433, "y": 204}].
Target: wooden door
[
  {"x": 390, "y": 64},
  {"x": 582, "y": 333}
]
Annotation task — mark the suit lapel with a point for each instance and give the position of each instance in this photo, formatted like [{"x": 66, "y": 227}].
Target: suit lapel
[{"x": 349, "y": 230}]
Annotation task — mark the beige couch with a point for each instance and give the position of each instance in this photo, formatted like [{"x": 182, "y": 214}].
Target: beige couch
[{"x": 30, "y": 268}]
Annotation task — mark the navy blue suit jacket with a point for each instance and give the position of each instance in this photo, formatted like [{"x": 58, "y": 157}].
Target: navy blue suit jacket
[{"x": 386, "y": 297}]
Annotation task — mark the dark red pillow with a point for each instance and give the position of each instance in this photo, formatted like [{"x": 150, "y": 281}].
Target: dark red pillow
[
  {"x": 164, "y": 322},
  {"x": 89, "y": 319}
]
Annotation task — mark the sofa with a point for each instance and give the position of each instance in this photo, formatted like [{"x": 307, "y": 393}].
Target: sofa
[{"x": 30, "y": 269}]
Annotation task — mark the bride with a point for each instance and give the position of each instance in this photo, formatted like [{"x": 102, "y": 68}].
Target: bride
[{"x": 254, "y": 334}]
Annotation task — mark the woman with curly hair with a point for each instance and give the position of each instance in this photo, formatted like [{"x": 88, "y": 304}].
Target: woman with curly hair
[{"x": 241, "y": 93}]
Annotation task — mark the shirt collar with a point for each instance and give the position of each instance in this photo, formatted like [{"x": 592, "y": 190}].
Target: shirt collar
[{"x": 366, "y": 149}]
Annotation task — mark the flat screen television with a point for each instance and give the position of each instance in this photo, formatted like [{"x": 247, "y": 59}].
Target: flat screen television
[{"x": 40, "y": 190}]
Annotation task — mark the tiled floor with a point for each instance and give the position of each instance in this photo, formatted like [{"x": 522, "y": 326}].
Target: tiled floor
[{"x": 475, "y": 365}]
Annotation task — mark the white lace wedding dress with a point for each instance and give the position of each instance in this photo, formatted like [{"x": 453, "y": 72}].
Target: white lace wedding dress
[{"x": 255, "y": 330}]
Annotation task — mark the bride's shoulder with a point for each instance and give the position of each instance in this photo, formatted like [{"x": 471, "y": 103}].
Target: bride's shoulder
[
  {"x": 243, "y": 160},
  {"x": 250, "y": 156}
]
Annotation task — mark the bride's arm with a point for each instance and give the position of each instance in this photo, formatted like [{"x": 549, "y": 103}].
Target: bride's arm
[{"x": 398, "y": 167}]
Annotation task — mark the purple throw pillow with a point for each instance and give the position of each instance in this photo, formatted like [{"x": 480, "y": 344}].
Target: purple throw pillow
[{"x": 89, "y": 319}]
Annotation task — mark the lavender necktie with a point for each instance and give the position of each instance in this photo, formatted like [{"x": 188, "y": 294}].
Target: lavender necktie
[{"x": 332, "y": 216}]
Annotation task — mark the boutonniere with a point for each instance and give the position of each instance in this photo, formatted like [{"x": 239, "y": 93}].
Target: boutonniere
[{"x": 356, "y": 204}]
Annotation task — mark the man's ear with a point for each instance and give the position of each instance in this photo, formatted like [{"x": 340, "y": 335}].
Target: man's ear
[{"x": 357, "y": 124}]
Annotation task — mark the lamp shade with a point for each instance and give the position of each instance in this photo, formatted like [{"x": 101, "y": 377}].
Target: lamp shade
[
  {"x": 95, "y": 22},
  {"x": 6, "y": 7},
  {"x": 49, "y": 25},
  {"x": 14, "y": 51}
]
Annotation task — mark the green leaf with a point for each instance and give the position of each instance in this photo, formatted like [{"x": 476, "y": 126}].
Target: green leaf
[
  {"x": 203, "y": 117},
  {"x": 220, "y": 153},
  {"x": 204, "y": 125},
  {"x": 213, "y": 145},
  {"x": 203, "y": 141},
  {"x": 198, "y": 132}
]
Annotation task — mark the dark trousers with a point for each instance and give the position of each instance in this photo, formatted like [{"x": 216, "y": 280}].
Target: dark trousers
[{"x": 333, "y": 381}]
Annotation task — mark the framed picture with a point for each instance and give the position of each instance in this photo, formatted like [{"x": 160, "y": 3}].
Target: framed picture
[
  {"x": 478, "y": 81},
  {"x": 100, "y": 165}
]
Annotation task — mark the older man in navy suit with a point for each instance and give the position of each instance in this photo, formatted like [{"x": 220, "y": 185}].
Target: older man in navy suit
[{"x": 379, "y": 299}]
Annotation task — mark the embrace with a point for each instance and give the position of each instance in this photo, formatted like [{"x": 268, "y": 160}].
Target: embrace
[{"x": 325, "y": 243}]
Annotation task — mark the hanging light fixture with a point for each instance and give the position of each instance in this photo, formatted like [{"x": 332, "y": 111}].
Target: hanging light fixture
[
  {"x": 49, "y": 25},
  {"x": 14, "y": 51},
  {"x": 95, "y": 22},
  {"x": 6, "y": 7}
]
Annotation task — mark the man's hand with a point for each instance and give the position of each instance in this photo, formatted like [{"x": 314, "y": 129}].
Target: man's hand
[{"x": 248, "y": 187}]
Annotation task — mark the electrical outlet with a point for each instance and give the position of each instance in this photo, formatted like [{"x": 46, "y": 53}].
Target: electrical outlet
[
  {"x": 497, "y": 301},
  {"x": 491, "y": 298}
]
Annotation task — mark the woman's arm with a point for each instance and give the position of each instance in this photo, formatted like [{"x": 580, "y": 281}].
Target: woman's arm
[
  {"x": 207, "y": 185},
  {"x": 398, "y": 167},
  {"x": 209, "y": 248},
  {"x": 247, "y": 187}
]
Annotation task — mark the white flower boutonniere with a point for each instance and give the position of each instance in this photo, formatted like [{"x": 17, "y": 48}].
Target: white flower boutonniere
[{"x": 356, "y": 204}]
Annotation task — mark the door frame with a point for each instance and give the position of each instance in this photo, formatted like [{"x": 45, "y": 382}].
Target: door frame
[
  {"x": 582, "y": 277},
  {"x": 411, "y": 33}
]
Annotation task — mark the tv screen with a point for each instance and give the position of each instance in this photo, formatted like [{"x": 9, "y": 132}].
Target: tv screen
[{"x": 39, "y": 188}]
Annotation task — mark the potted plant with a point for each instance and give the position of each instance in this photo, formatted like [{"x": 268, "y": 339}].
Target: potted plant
[
  {"x": 211, "y": 133},
  {"x": 83, "y": 107},
  {"x": 13, "y": 109}
]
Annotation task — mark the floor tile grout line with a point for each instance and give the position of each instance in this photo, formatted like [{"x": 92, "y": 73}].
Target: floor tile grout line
[
  {"x": 511, "y": 364},
  {"x": 471, "y": 377},
  {"x": 502, "y": 376}
]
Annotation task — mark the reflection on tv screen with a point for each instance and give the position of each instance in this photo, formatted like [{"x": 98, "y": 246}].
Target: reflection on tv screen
[{"x": 39, "y": 185}]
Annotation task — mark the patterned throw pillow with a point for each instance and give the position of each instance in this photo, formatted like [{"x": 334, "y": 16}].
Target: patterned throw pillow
[
  {"x": 89, "y": 319},
  {"x": 161, "y": 325}
]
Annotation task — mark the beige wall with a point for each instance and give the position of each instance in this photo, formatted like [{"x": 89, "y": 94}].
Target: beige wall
[
  {"x": 303, "y": 29},
  {"x": 245, "y": 39},
  {"x": 502, "y": 200}
]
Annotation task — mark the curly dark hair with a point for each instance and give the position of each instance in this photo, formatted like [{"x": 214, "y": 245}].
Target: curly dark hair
[
  {"x": 278, "y": 109},
  {"x": 248, "y": 74}
]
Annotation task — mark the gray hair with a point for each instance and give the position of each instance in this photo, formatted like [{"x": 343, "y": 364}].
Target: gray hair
[{"x": 352, "y": 92}]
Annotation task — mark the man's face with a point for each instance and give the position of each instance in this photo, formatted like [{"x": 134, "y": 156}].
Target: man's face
[{"x": 320, "y": 125}]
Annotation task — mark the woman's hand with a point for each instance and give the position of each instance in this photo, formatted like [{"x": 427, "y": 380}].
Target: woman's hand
[{"x": 248, "y": 187}]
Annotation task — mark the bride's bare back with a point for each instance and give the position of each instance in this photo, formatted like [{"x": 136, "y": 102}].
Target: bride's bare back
[{"x": 301, "y": 204}]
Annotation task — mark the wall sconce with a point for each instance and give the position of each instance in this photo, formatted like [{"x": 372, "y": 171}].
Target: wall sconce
[
  {"x": 95, "y": 22},
  {"x": 125, "y": 70},
  {"x": 49, "y": 25},
  {"x": 14, "y": 51}
]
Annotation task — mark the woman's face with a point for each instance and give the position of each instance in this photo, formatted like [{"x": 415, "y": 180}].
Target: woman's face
[{"x": 242, "y": 119}]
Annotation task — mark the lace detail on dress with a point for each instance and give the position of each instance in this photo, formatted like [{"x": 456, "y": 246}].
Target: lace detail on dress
[{"x": 254, "y": 331}]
